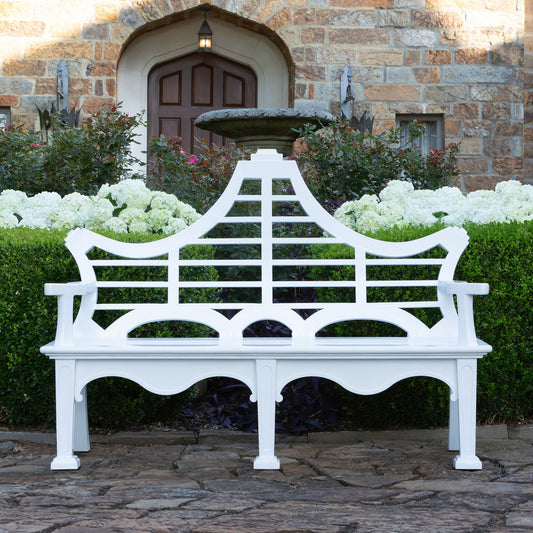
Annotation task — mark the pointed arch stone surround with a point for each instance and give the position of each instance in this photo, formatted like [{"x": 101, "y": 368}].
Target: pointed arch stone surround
[{"x": 180, "y": 38}]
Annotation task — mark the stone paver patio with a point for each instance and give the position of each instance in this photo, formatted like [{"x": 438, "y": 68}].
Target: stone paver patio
[{"x": 329, "y": 482}]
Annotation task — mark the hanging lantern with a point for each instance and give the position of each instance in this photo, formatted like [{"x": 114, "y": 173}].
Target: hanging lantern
[{"x": 205, "y": 37}]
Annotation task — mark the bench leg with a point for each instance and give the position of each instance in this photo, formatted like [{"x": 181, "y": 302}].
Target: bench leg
[
  {"x": 81, "y": 425},
  {"x": 453, "y": 426},
  {"x": 266, "y": 415},
  {"x": 65, "y": 459},
  {"x": 466, "y": 398}
]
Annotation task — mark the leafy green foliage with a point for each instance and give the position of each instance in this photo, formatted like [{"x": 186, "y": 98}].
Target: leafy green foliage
[
  {"x": 76, "y": 160},
  {"x": 197, "y": 179},
  {"x": 498, "y": 254},
  {"x": 31, "y": 258},
  {"x": 502, "y": 255},
  {"x": 342, "y": 164},
  {"x": 20, "y": 155}
]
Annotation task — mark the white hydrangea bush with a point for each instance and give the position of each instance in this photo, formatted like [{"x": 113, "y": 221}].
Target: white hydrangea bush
[
  {"x": 128, "y": 206},
  {"x": 399, "y": 204}
]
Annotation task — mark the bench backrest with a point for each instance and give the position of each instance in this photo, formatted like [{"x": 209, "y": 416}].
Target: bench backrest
[{"x": 266, "y": 250}]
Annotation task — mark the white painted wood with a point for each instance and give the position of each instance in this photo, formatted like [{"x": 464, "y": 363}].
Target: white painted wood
[{"x": 84, "y": 350}]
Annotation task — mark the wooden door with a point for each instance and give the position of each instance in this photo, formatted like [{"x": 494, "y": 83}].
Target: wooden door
[{"x": 184, "y": 88}]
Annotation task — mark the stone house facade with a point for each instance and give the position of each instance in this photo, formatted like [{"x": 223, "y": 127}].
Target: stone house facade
[{"x": 466, "y": 63}]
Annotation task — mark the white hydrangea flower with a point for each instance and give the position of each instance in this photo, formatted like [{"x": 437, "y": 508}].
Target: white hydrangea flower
[
  {"x": 449, "y": 200},
  {"x": 104, "y": 191},
  {"x": 484, "y": 207},
  {"x": 139, "y": 226},
  {"x": 486, "y": 216},
  {"x": 158, "y": 218},
  {"x": 391, "y": 210},
  {"x": 346, "y": 207},
  {"x": 422, "y": 217},
  {"x": 39, "y": 210},
  {"x": 174, "y": 225},
  {"x": 528, "y": 192},
  {"x": 456, "y": 218},
  {"x": 97, "y": 212},
  {"x": 131, "y": 214},
  {"x": 143, "y": 211},
  {"x": 366, "y": 202},
  {"x": 12, "y": 201},
  {"x": 132, "y": 193},
  {"x": 8, "y": 220},
  {"x": 116, "y": 225},
  {"x": 35, "y": 222},
  {"x": 64, "y": 220},
  {"x": 371, "y": 221},
  {"x": 187, "y": 212},
  {"x": 396, "y": 189},
  {"x": 74, "y": 207},
  {"x": 346, "y": 215},
  {"x": 511, "y": 189},
  {"x": 74, "y": 201},
  {"x": 163, "y": 200},
  {"x": 450, "y": 194}
]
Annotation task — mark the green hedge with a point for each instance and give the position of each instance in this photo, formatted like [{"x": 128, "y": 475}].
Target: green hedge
[
  {"x": 498, "y": 254},
  {"x": 29, "y": 259}
]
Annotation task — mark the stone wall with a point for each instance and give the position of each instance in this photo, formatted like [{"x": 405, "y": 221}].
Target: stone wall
[
  {"x": 528, "y": 93},
  {"x": 463, "y": 59}
]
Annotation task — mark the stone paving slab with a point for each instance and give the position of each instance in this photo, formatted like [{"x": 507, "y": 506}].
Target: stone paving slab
[{"x": 332, "y": 483}]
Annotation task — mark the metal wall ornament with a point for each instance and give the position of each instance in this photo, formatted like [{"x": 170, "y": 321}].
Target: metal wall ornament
[
  {"x": 346, "y": 93},
  {"x": 59, "y": 113},
  {"x": 62, "y": 85},
  {"x": 365, "y": 123}
]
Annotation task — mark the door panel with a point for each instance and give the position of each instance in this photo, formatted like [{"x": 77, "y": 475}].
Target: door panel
[
  {"x": 170, "y": 89},
  {"x": 202, "y": 86},
  {"x": 184, "y": 88},
  {"x": 234, "y": 93},
  {"x": 170, "y": 127}
]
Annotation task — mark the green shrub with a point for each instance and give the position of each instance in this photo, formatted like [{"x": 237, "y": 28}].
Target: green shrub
[
  {"x": 502, "y": 255},
  {"x": 75, "y": 160},
  {"x": 197, "y": 179},
  {"x": 498, "y": 254},
  {"x": 341, "y": 164},
  {"x": 20, "y": 157},
  {"x": 31, "y": 258}
]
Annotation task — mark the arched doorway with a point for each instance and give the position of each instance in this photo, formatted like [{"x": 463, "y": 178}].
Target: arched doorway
[
  {"x": 234, "y": 38},
  {"x": 182, "y": 89}
]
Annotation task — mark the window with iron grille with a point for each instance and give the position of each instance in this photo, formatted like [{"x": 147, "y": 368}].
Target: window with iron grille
[
  {"x": 432, "y": 137},
  {"x": 5, "y": 117}
]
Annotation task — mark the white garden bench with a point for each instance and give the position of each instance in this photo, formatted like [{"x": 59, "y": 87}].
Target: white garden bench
[{"x": 256, "y": 281}]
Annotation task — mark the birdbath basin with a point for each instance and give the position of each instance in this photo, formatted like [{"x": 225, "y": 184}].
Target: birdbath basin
[{"x": 262, "y": 128}]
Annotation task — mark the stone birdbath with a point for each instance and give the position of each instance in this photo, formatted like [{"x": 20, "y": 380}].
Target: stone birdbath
[{"x": 263, "y": 128}]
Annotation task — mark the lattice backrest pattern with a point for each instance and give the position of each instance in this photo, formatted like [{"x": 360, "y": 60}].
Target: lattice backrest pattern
[{"x": 265, "y": 251}]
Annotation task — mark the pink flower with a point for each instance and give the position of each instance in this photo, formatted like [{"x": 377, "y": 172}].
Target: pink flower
[{"x": 192, "y": 160}]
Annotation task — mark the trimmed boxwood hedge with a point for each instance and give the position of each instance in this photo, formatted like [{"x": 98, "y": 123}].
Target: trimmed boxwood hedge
[
  {"x": 499, "y": 254},
  {"x": 29, "y": 259}
]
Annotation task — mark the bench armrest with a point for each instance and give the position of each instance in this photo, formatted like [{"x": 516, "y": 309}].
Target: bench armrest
[
  {"x": 76, "y": 288},
  {"x": 65, "y": 293},
  {"x": 462, "y": 287},
  {"x": 465, "y": 306}
]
